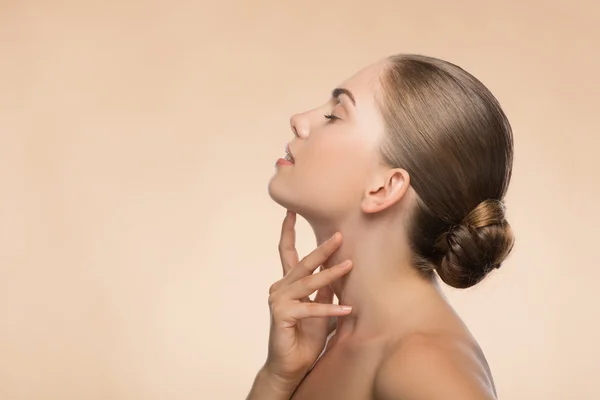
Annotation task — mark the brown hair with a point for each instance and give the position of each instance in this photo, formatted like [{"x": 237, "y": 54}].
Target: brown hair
[{"x": 449, "y": 132}]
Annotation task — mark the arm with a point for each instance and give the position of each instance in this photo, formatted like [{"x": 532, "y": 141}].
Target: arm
[
  {"x": 294, "y": 346},
  {"x": 424, "y": 370},
  {"x": 268, "y": 386}
]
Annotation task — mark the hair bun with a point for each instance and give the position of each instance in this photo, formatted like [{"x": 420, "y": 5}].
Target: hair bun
[{"x": 476, "y": 246}]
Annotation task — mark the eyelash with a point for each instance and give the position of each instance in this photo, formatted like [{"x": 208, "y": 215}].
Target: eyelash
[{"x": 331, "y": 117}]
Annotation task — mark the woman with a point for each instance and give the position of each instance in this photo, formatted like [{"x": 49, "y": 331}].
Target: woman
[{"x": 401, "y": 173}]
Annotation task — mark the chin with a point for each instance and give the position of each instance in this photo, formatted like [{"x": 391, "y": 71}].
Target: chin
[
  {"x": 280, "y": 194},
  {"x": 310, "y": 205},
  {"x": 284, "y": 195}
]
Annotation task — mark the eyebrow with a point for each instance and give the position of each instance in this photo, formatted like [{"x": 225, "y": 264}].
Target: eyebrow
[{"x": 337, "y": 92}]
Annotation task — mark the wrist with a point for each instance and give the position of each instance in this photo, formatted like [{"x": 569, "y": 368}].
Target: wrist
[
  {"x": 280, "y": 383},
  {"x": 270, "y": 386}
]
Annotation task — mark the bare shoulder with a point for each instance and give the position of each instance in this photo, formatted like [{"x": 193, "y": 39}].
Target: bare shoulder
[{"x": 433, "y": 367}]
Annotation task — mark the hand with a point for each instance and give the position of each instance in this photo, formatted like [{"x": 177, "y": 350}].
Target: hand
[{"x": 299, "y": 326}]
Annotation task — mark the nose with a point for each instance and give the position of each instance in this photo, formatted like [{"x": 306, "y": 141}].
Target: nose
[{"x": 299, "y": 126}]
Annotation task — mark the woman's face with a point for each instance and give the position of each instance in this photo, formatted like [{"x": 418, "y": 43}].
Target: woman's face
[{"x": 335, "y": 152}]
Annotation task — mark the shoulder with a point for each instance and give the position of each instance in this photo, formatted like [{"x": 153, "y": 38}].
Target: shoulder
[{"x": 432, "y": 367}]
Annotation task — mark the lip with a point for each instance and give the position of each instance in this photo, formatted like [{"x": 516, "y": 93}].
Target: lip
[{"x": 288, "y": 151}]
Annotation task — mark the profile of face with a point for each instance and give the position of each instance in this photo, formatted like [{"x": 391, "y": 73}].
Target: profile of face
[
  {"x": 416, "y": 128},
  {"x": 334, "y": 152}
]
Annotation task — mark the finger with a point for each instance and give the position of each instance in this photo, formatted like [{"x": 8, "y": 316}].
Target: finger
[
  {"x": 317, "y": 257},
  {"x": 324, "y": 295},
  {"x": 308, "y": 285},
  {"x": 313, "y": 310},
  {"x": 287, "y": 243}
]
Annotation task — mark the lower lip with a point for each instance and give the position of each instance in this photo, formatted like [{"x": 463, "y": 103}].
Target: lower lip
[{"x": 283, "y": 161}]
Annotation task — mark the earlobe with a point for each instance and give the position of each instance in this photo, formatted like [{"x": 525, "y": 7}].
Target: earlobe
[{"x": 386, "y": 190}]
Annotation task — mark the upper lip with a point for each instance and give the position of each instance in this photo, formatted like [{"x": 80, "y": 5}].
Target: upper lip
[{"x": 288, "y": 151}]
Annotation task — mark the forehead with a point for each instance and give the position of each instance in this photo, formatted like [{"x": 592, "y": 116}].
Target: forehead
[
  {"x": 365, "y": 84},
  {"x": 365, "y": 87}
]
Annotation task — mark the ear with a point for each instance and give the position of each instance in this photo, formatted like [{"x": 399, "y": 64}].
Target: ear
[{"x": 385, "y": 190}]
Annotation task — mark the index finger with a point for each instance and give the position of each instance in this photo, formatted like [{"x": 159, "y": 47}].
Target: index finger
[
  {"x": 317, "y": 257},
  {"x": 287, "y": 243}
]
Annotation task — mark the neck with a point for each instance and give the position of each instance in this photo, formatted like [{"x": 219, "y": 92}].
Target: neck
[{"x": 383, "y": 288}]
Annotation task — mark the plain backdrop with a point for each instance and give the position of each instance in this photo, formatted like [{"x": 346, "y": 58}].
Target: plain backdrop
[{"x": 137, "y": 138}]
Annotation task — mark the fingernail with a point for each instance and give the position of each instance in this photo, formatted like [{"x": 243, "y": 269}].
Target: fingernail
[
  {"x": 346, "y": 308},
  {"x": 346, "y": 264},
  {"x": 332, "y": 237}
]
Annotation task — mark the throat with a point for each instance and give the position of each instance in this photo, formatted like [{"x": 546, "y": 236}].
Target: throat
[{"x": 382, "y": 305}]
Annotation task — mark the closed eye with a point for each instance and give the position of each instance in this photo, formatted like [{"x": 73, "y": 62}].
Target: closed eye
[{"x": 331, "y": 117}]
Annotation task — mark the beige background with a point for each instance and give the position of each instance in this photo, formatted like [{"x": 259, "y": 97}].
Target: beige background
[{"x": 137, "y": 239}]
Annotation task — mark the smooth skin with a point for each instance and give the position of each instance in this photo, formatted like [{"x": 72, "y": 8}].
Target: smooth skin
[
  {"x": 401, "y": 340},
  {"x": 420, "y": 366},
  {"x": 299, "y": 326}
]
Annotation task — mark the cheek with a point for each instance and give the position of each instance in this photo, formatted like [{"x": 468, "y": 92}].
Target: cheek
[
  {"x": 340, "y": 166},
  {"x": 339, "y": 150}
]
